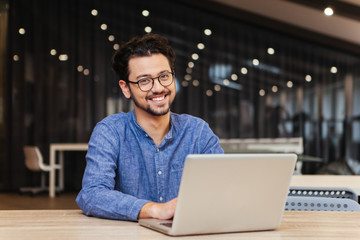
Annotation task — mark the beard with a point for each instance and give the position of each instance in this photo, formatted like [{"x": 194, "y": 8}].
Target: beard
[{"x": 155, "y": 111}]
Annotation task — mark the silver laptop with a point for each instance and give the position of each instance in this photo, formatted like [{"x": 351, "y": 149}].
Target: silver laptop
[{"x": 229, "y": 193}]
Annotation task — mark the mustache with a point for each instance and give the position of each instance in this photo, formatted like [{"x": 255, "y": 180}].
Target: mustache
[{"x": 151, "y": 95}]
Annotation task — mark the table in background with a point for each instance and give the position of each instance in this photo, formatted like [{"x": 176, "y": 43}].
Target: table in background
[
  {"x": 73, "y": 224},
  {"x": 348, "y": 181},
  {"x": 61, "y": 147}
]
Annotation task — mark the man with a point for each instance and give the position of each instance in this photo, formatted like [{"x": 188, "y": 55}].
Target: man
[{"x": 135, "y": 159}]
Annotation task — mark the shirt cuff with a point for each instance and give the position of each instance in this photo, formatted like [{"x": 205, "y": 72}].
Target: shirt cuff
[{"x": 135, "y": 209}]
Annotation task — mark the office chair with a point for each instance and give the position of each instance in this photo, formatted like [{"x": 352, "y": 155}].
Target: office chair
[
  {"x": 34, "y": 162},
  {"x": 296, "y": 203}
]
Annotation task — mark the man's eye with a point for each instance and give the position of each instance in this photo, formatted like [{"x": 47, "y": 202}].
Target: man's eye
[
  {"x": 164, "y": 76},
  {"x": 144, "y": 81}
]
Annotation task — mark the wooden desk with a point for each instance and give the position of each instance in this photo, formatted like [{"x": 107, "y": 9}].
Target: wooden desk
[
  {"x": 349, "y": 181},
  {"x": 72, "y": 224},
  {"x": 61, "y": 147}
]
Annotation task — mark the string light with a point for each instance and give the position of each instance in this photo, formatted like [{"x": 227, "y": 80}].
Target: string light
[
  {"x": 148, "y": 29},
  {"x": 116, "y": 46},
  {"x": 22, "y": 31},
  {"x": 195, "y": 56},
  {"x": 53, "y": 52},
  {"x": 234, "y": 77},
  {"x": 63, "y": 57},
  {"x": 270, "y": 51},
  {"x": 328, "y": 11},
  {"x": 262, "y": 92},
  {"x": 111, "y": 38},
  {"x": 200, "y": 46},
  {"x": 207, "y": 32},
  {"x": 80, "y": 68},
  {"x": 16, "y": 58},
  {"x": 209, "y": 93},
  {"x": 274, "y": 89},
  {"x": 289, "y": 84},
  {"x": 145, "y": 13},
  {"x": 103, "y": 26},
  {"x": 94, "y": 12},
  {"x": 244, "y": 70}
]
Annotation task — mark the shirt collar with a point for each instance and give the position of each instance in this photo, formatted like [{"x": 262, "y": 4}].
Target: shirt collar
[{"x": 141, "y": 131}]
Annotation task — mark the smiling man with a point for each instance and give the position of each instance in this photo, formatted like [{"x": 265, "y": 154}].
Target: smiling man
[{"x": 135, "y": 159}]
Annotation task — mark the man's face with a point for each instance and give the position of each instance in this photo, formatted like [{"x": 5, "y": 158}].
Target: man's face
[{"x": 158, "y": 100}]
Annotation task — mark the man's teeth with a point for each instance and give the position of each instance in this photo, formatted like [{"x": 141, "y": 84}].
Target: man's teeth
[{"x": 158, "y": 98}]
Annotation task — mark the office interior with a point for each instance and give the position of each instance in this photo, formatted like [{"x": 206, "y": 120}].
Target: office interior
[{"x": 244, "y": 71}]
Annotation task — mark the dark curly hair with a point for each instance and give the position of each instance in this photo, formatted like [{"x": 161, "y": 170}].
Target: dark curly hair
[{"x": 141, "y": 46}]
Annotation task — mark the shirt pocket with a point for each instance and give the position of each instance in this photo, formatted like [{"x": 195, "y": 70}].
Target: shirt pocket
[
  {"x": 176, "y": 171},
  {"x": 177, "y": 166}
]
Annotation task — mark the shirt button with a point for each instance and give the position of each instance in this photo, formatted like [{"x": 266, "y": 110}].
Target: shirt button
[
  {"x": 159, "y": 172},
  {"x": 160, "y": 198},
  {"x": 157, "y": 150}
]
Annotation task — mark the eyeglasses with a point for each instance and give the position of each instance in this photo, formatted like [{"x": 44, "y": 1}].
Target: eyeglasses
[{"x": 147, "y": 83}]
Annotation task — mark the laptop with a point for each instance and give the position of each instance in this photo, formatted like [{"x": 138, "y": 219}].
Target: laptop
[{"x": 223, "y": 193}]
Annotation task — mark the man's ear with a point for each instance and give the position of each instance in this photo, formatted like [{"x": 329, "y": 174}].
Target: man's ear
[{"x": 125, "y": 88}]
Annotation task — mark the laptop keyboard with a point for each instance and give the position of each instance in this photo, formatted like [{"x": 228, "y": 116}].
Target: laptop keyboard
[{"x": 167, "y": 224}]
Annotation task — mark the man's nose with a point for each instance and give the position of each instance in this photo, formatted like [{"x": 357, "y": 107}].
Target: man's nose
[{"x": 157, "y": 86}]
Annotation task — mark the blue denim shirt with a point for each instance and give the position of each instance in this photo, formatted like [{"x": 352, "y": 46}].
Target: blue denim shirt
[{"x": 125, "y": 169}]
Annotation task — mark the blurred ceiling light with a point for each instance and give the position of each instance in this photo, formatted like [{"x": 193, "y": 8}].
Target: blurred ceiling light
[
  {"x": 255, "y": 62},
  {"x": 244, "y": 70},
  {"x": 270, "y": 51},
  {"x": 195, "y": 56},
  {"x": 145, "y": 13},
  {"x": 188, "y": 70},
  {"x": 207, "y": 32},
  {"x": 148, "y": 29},
  {"x": 289, "y": 84},
  {"x": 111, "y": 38},
  {"x": 328, "y": 11},
  {"x": 80, "y": 68},
  {"x": 184, "y": 83},
  {"x": 234, "y": 77},
  {"x": 209, "y": 93},
  {"x": 94, "y": 12},
  {"x": 53, "y": 52},
  {"x": 103, "y": 26},
  {"x": 16, "y": 58},
  {"x": 86, "y": 72},
  {"x": 187, "y": 77},
  {"x": 217, "y": 88},
  {"x": 22, "y": 31},
  {"x": 262, "y": 92},
  {"x": 116, "y": 46},
  {"x": 226, "y": 82},
  {"x": 190, "y": 64},
  {"x": 196, "y": 83},
  {"x": 274, "y": 89},
  {"x": 308, "y": 78},
  {"x": 63, "y": 57},
  {"x": 200, "y": 46},
  {"x": 333, "y": 69}
]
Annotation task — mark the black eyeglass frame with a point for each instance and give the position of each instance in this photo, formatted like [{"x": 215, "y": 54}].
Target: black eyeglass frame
[{"x": 153, "y": 79}]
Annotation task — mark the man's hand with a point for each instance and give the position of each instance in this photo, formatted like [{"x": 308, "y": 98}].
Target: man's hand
[{"x": 158, "y": 210}]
